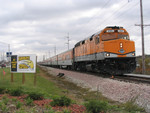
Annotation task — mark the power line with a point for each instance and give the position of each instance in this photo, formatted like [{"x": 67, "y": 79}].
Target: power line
[
  {"x": 99, "y": 10},
  {"x": 102, "y": 22},
  {"x": 96, "y": 15},
  {"x": 129, "y": 9}
]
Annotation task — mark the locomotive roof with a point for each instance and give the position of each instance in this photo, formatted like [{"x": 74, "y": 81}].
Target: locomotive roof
[
  {"x": 78, "y": 43},
  {"x": 113, "y": 27}
]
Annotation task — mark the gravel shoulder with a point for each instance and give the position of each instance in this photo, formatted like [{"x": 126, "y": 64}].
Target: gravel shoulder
[{"x": 116, "y": 90}]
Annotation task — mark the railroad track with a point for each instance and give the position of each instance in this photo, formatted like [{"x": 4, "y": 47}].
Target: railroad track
[
  {"x": 136, "y": 78},
  {"x": 132, "y": 78}
]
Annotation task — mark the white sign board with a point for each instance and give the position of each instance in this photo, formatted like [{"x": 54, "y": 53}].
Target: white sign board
[{"x": 23, "y": 63}]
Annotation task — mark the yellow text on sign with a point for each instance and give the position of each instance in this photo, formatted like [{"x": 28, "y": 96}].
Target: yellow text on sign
[{"x": 24, "y": 58}]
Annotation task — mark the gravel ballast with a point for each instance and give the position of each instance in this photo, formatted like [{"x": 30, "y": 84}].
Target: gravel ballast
[{"x": 113, "y": 89}]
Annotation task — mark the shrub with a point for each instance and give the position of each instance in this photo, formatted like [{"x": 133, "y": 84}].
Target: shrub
[
  {"x": 61, "y": 101},
  {"x": 35, "y": 96},
  {"x": 16, "y": 92},
  {"x": 95, "y": 106},
  {"x": 2, "y": 90}
]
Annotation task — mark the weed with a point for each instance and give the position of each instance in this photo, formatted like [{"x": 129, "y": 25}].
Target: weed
[
  {"x": 49, "y": 110},
  {"x": 61, "y": 101},
  {"x": 66, "y": 110},
  {"x": 95, "y": 106},
  {"x": 21, "y": 110},
  {"x": 3, "y": 107},
  {"x": 18, "y": 105},
  {"x": 29, "y": 102},
  {"x": 131, "y": 107},
  {"x": 5, "y": 100},
  {"x": 14, "y": 100}
]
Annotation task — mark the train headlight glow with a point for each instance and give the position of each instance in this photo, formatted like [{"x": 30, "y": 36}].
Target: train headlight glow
[
  {"x": 133, "y": 54},
  {"x": 107, "y": 54},
  {"x": 121, "y": 45}
]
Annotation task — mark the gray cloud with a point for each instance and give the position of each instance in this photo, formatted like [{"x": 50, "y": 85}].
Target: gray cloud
[{"x": 36, "y": 26}]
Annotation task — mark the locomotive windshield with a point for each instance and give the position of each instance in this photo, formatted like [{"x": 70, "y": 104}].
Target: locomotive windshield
[
  {"x": 112, "y": 34},
  {"x": 109, "y": 37}
]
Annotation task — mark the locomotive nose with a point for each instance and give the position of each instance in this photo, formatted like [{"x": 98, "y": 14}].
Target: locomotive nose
[{"x": 119, "y": 48}]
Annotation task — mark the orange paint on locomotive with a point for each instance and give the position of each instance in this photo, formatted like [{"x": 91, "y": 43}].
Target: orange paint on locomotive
[{"x": 111, "y": 42}]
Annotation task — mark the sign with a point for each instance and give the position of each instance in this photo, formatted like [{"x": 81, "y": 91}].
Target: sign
[
  {"x": 8, "y": 54},
  {"x": 23, "y": 63}
]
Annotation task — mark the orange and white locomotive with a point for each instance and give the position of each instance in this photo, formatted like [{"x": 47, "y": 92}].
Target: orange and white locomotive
[{"x": 108, "y": 51}]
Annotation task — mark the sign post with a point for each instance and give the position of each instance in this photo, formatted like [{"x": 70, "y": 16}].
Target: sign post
[
  {"x": 35, "y": 75},
  {"x": 23, "y": 78},
  {"x": 12, "y": 78}
]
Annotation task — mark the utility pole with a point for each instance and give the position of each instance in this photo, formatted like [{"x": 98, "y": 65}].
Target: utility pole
[
  {"x": 8, "y": 47},
  {"x": 9, "y": 53},
  {"x": 142, "y": 35},
  {"x": 55, "y": 50},
  {"x": 49, "y": 53},
  {"x": 43, "y": 57},
  {"x": 68, "y": 41}
]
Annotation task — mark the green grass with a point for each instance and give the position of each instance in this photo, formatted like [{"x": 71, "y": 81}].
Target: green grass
[
  {"x": 42, "y": 85},
  {"x": 56, "y": 87}
]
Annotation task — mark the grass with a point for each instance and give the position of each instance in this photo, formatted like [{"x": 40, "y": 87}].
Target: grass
[
  {"x": 52, "y": 86},
  {"x": 43, "y": 85}
]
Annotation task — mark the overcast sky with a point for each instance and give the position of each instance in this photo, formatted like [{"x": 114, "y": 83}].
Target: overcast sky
[{"x": 37, "y": 26}]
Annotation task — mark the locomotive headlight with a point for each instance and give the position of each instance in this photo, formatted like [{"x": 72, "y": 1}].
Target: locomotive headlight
[
  {"x": 133, "y": 54},
  {"x": 107, "y": 54},
  {"x": 121, "y": 45}
]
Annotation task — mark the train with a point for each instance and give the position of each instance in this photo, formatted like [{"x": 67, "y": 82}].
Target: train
[{"x": 109, "y": 51}]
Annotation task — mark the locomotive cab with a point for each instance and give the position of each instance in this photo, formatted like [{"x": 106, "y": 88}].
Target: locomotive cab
[{"x": 112, "y": 33}]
